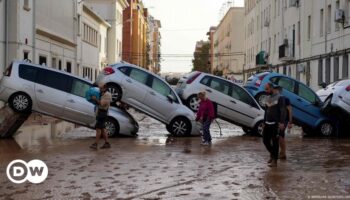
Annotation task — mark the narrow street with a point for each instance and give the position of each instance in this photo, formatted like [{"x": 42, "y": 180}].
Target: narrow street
[{"x": 155, "y": 166}]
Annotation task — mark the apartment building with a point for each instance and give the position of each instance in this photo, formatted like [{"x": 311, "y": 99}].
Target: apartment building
[
  {"x": 229, "y": 44},
  {"x": 210, "y": 35},
  {"x": 304, "y": 39}
]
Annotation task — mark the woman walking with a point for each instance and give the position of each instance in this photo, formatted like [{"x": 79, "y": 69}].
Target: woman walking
[{"x": 205, "y": 115}]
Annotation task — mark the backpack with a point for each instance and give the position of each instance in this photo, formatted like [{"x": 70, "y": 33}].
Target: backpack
[{"x": 93, "y": 91}]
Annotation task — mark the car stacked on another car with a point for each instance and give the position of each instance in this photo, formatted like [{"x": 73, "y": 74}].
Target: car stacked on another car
[
  {"x": 28, "y": 87},
  {"x": 305, "y": 102},
  {"x": 336, "y": 95},
  {"x": 233, "y": 103},
  {"x": 150, "y": 94}
]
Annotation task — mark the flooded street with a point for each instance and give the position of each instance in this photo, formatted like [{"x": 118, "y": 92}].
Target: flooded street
[{"x": 156, "y": 166}]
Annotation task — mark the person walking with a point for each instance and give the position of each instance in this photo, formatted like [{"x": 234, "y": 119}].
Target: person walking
[
  {"x": 287, "y": 125},
  {"x": 275, "y": 115},
  {"x": 101, "y": 116},
  {"x": 205, "y": 115}
]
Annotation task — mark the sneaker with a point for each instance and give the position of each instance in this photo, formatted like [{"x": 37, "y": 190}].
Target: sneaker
[
  {"x": 93, "y": 146},
  {"x": 273, "y": 163},
  {"x": 283, "y": 157},
  {"x": 106, "y": 146}
]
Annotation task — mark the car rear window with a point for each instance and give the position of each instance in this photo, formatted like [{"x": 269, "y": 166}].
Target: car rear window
[{"x": 8, "y": 70}]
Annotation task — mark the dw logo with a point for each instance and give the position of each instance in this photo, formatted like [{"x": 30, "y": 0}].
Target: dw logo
[{"x": 35, "y": 171}]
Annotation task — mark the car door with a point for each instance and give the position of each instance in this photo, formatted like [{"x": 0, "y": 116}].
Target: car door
[
  {"x": 307, "y": 105},
  {"x": 77, "y": 108},
  {"x": 158, "y": 101},
  {"x": 135, "y": 88},
  {"x": 245, "y": 109},
  {"x": 51, "y": 91},
  {"x": 218, "y": 92}
]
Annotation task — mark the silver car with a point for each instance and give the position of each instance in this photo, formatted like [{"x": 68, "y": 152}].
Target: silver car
[
  {"x": 336, "y": 94},
  {"x": 233, "y": 103},
  {"x": 149, "y": 94},
  {"x": 28, "y": 87}
]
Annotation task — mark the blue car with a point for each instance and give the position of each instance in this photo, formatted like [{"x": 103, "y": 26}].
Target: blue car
[{"x": 306, "y": 105}]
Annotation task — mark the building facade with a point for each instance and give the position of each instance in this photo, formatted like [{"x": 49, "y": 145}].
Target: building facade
[
  {"x": 154, "y": 44},
  {"x": 229, "y": 46},
  {"x": 304, "y": 39},
  {"x": 135, "y": 33}
]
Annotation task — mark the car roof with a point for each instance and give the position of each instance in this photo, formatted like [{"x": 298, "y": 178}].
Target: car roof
[{"x": 51, "y": 69}]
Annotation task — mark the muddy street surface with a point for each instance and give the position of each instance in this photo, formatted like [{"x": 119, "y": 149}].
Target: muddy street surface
[{"x": 157, "y": 166}]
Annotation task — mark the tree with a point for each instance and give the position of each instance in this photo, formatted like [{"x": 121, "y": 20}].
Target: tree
[{"x": 201, "y": 59}]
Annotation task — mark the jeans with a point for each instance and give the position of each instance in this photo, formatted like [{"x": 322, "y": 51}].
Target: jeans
[
  {"x": 271, "y": 139},
  {"x": 206, "y": 131}
]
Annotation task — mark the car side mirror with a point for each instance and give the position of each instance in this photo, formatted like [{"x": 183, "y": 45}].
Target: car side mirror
[
  {"x": 323, "y": 85},
  {"x": 170, "y": 98}
]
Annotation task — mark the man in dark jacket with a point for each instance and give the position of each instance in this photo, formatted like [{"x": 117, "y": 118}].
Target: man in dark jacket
[{"x": 275, "y": 116}]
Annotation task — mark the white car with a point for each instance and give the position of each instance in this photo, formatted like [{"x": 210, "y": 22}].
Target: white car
[
  {"x": 150, "y": 94},
  {"x": 233, "y": 103},
  {"x": 336, "y": 95},
  {"x": 26, "y": 87}
]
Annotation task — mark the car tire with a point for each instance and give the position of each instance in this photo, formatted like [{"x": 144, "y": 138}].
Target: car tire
[
  {"x": 193, "y": 103},
  {"x": 116, "y": 92},
  {"x": 112, "y": 127},
  {"x": 180, "y": 126},
  {"x": 21, "y": 102},
  {"x": 326, "y": 129},
  {"x": 259, "y": 128},
  {"x": 260, "y": 98},
  {"x": 326, "y": 107}
]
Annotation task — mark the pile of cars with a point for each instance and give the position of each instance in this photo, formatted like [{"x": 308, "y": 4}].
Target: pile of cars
[{"x": 26, "y": 87}]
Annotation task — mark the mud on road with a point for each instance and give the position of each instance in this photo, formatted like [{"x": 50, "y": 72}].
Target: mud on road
[{"x": 156, "y": 166}]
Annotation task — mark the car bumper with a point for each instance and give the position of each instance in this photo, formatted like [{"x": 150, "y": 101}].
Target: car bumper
[{"x": 344, "y": 105}]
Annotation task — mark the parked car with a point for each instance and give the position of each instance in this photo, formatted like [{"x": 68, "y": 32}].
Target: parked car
[
  {"x": 150, "y": 94},
  {"x": 336, "y": 95},
  {"x": 234, "y": 104},
  {"x": 305, "y": 102},
  {"x": 28, "y": 87}
]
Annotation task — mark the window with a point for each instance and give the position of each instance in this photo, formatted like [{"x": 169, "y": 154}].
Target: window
[
  {"x": 69, "y": 67},
  {"x": 25, "y": 55},
  {"x": 241, "y": 95},
  {"x": 287, "y": 84},
  {"x": 53, "y": 79},
  {"x": 220, "y": 85},
  {"x": 309, "y": 27},
  {"x": 139, "y": 76},
  {"x": 336, "y": 69},
  {"x": 26, "y": 5},
  {"x": 308, "y": 73},
  {"x": 320, "y": 71},
  {"x": 321, "y": 22},
  {"x": 329, "y": 19},
  {"x": 337, "y": 24},
  {"x": 90, "y": 35},
  {"x": 59, "y": 65},
  {"x": 27, "y": 72},
  {"x": 307, "y": 94},
  {"x": 160, "y": 87},
  {"x": 79, "y": 87},
  {"x": 205, "y": 80},
  {"x": 345, "y": 71},
  {"x": 42, "y": 60},
  {"x": 124, "y": 70}
]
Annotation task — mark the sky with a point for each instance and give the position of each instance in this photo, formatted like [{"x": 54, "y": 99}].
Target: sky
[{"x": 183, "y": 23}]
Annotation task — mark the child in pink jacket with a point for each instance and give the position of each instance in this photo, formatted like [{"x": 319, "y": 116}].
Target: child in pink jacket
[{"x": 206, "y": 115}]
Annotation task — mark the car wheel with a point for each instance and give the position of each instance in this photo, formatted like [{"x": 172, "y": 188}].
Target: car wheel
[
  {"x": 247, "y": 130},
  {"x": 261, "y": 99},
  {"x": 259, "y": 128},
  {"x": 193, "y": 103},
  {"x": 180, "y": 126},
  {"x": 115, "y": 91},
  {"x": 21, "y": 102},
  {"x": 326, "y": 129},
  {"x": 112, "y": 127},
  {"x": 326, "y": 107}
]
